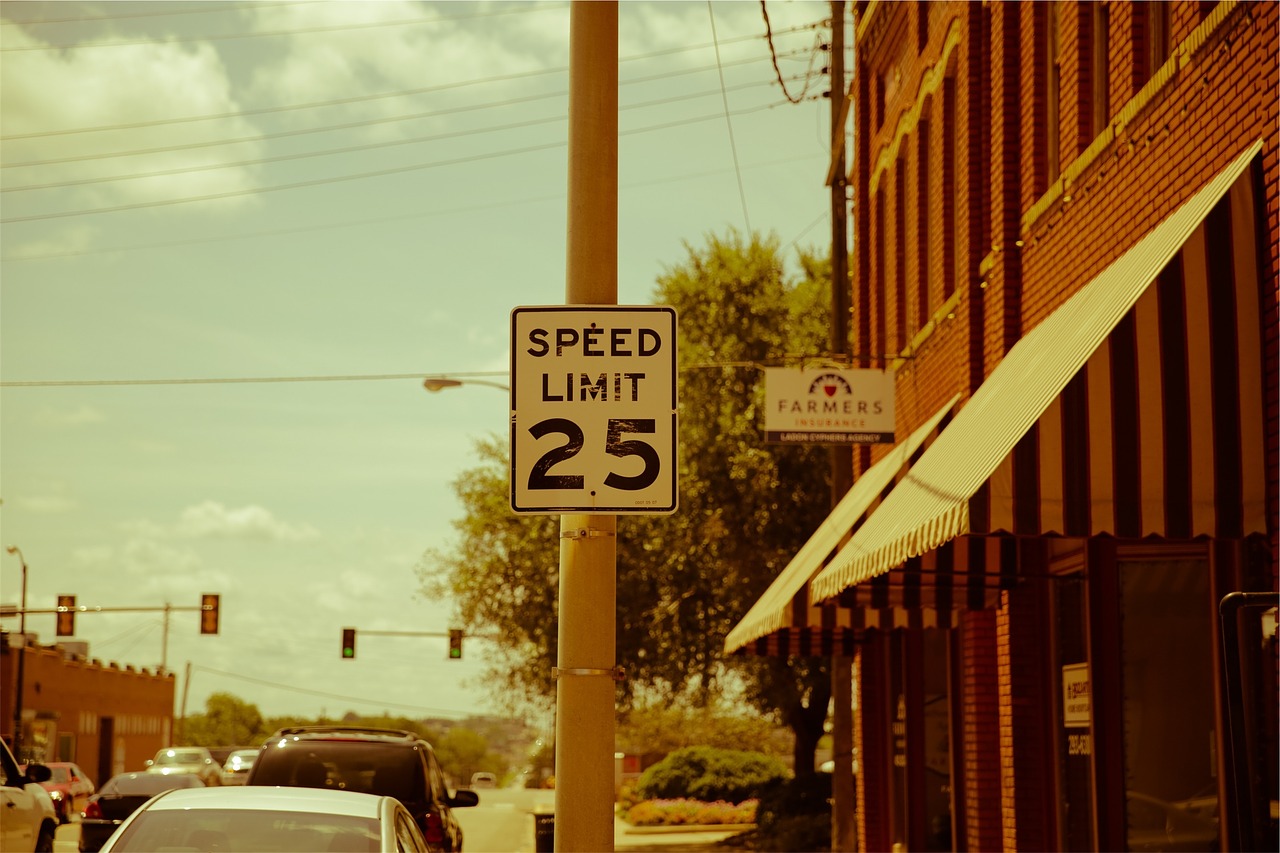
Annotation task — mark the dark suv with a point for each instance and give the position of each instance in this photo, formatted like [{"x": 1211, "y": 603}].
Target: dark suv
[{"x": 375, "y": 761}]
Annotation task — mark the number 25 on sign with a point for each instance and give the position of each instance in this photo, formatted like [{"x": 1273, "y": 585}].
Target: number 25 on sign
[{"x": 593, "y": 409}]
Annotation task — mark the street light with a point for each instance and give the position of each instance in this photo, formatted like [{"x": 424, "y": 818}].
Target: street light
[
  {"x": 22, "y": 657},
  {"x": 437, "y": 383}
]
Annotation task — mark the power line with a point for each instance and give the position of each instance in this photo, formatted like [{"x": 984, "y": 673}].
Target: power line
[
  {"x": 239, "y": 380},
  {"x": 366, "y": 25},
  {"x": 424, "y": 90},
  {"x": 334, "y": 179},
  {"x": 264, "y": 233},
  {"x": 220, "y": 8},
  {"x": 773, "y": 55},
  {"x": 742, "y": 193},
  {"x": 349, "y": 149},
  {"x": 364, "y": 701}
]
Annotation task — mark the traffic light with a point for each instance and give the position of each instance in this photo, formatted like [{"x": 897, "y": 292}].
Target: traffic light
[
  {"x": 209, "y": 614},
  {"x": 348, "y": 643},
  {"x": 455, "y": 644},
  {"x": 66, "y": 617}
]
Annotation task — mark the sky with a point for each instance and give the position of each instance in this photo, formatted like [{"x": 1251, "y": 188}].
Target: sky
[{"x": 350, "y": 196}]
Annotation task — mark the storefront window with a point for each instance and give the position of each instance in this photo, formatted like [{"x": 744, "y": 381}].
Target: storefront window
[
  {"x": 1170, "y": 757},
  {"x": 1075, "y": 705},
  {"x": 937, "y": 743}
]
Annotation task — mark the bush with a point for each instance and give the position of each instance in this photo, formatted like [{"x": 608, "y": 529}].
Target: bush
[
  {"x": 795, "y": 814},
  {"x": 709, "y": 774}
]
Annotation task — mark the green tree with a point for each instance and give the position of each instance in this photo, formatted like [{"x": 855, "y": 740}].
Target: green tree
[
  {"x": 227, "y": 721},
  {"x": 463, "y": 751},
  {"x": 683, "y": 581}
]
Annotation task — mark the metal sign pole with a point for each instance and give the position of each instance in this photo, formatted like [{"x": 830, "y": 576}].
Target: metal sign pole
[{"x": 588, "y": 552}]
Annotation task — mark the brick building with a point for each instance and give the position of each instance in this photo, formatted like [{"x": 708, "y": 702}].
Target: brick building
[
  {"x": 1064, "y": 231},
  {"x": 105, "y": 717}
]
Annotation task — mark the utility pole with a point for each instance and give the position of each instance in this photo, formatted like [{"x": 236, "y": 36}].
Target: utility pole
[
  {"x": 843, "y": 807},
  {"x": 22, "y": 658},
  {"x": 588, "y": 543}
]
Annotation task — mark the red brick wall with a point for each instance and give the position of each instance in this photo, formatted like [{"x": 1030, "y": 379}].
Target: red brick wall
[
  {"x": 1222, "y": 98},
  {"x": 77, "y": 694}
]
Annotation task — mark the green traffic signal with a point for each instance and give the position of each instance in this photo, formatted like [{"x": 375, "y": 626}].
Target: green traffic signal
[
  {"x": 455, "y": 644},
  {"x": 348, "y": 643}
]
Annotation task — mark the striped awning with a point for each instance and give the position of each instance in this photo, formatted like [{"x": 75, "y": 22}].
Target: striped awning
[
  {"x": 1134, "y": 409},
  {"x": 783, "y": 621}
]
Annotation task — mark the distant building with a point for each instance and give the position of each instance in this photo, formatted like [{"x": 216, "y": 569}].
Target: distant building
[{"x": 106, "y": 718}]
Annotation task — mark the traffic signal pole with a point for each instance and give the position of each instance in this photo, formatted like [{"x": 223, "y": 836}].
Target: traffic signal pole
[{"x": 588, "y": 543}]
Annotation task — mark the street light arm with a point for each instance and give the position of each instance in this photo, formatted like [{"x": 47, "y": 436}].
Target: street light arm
[{"x": 438, "y": 383}]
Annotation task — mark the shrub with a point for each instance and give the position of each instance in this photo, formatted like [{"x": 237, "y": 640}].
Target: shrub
[
  {"x": 795, "y": 814},
  {"x": 709, "y": 774}
]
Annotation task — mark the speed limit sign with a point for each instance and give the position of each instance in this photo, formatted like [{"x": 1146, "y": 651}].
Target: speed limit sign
[{"x": 593, "y": 409}]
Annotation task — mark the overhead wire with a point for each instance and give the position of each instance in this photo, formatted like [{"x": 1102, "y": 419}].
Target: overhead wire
[
  {"x": 220, "y": 8},
  {"x": 422, "y": 90},
  {"x": 334, "y": 179},
  {"x": 381, "y": 220},
  {"x": 167, "y": 149},
  {"x": 742, "y": 192},
  {"x": 518, "y": 9},
  {"x": 308, "y": 691}
]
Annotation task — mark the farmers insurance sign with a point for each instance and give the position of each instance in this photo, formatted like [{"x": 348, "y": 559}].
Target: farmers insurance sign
[
  {"x": 593, "y": 409},
  {"x": 828, "y": 406}
]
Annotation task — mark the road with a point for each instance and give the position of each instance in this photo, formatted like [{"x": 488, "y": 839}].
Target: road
[{"x": 503, "y": 822}]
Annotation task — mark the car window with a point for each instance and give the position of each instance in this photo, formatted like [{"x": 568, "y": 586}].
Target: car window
[
  {"x": 408, "y": 838},
  {"x": 9, "y": 775},
  {"x": 243, "y": 829},
  {"x": 371, "y": 768},
  {"x": 439, "y": 790}
]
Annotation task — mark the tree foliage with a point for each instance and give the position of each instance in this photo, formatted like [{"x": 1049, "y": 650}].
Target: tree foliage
[
  {"x": 746, "y": 507},
  {"x": 227, "y": 721}
]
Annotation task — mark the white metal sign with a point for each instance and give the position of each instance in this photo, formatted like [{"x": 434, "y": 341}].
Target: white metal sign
[
  {"x": 593, "y": 409},
  {"x": 828, "y": 406},
  {"x": 1075, "y": 695}
]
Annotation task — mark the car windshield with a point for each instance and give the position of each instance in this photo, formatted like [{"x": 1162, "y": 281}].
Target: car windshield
[
  {"x": 245, "y": 829},
  {"x": 147, "y": 785},
  {"x": 60, "y": 774},
  {"x": 371, "y": 768},
  {"x": 174, "y": 756}
]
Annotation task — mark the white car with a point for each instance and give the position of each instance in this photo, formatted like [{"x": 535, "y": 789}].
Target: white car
[
  {"x": 237, "y": 767},
  {"x": 187, "y": 759},
  {"x": 29, "y": 821},
  {"x": 285, "y": 819}
]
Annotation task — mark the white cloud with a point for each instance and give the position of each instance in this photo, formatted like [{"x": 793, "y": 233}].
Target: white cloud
[
  {"x": 46, "y": 91},
  {"x": 211, "y": 520}
]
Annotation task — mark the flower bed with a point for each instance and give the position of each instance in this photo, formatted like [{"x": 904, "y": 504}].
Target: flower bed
[{"x": 690, "y": 813}]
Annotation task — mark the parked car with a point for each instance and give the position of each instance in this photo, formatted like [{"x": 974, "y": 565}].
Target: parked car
[
  {"x": 289, "y": 820},
  {"x": 187, "y": 759},
  {"x": 120, "y": 797},
  {"x": 484, "y": 779},
  {"x": 69, "y": 788},
  {"x": 236, "y": 768},
  {"x": 385, "y": 762},
  {"x": 29, "y": 821}
]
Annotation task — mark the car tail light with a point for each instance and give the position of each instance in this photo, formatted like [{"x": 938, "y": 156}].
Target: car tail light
[
  {"x": 433, "y": 828},
  {"x": 93, "y": 811}
]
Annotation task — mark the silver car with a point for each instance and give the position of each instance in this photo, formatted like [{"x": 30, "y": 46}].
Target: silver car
[
  {"x": 290, "y": 820},
  {"x": 187, "y": 759},
  {"x": 236, "y": 768}
]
